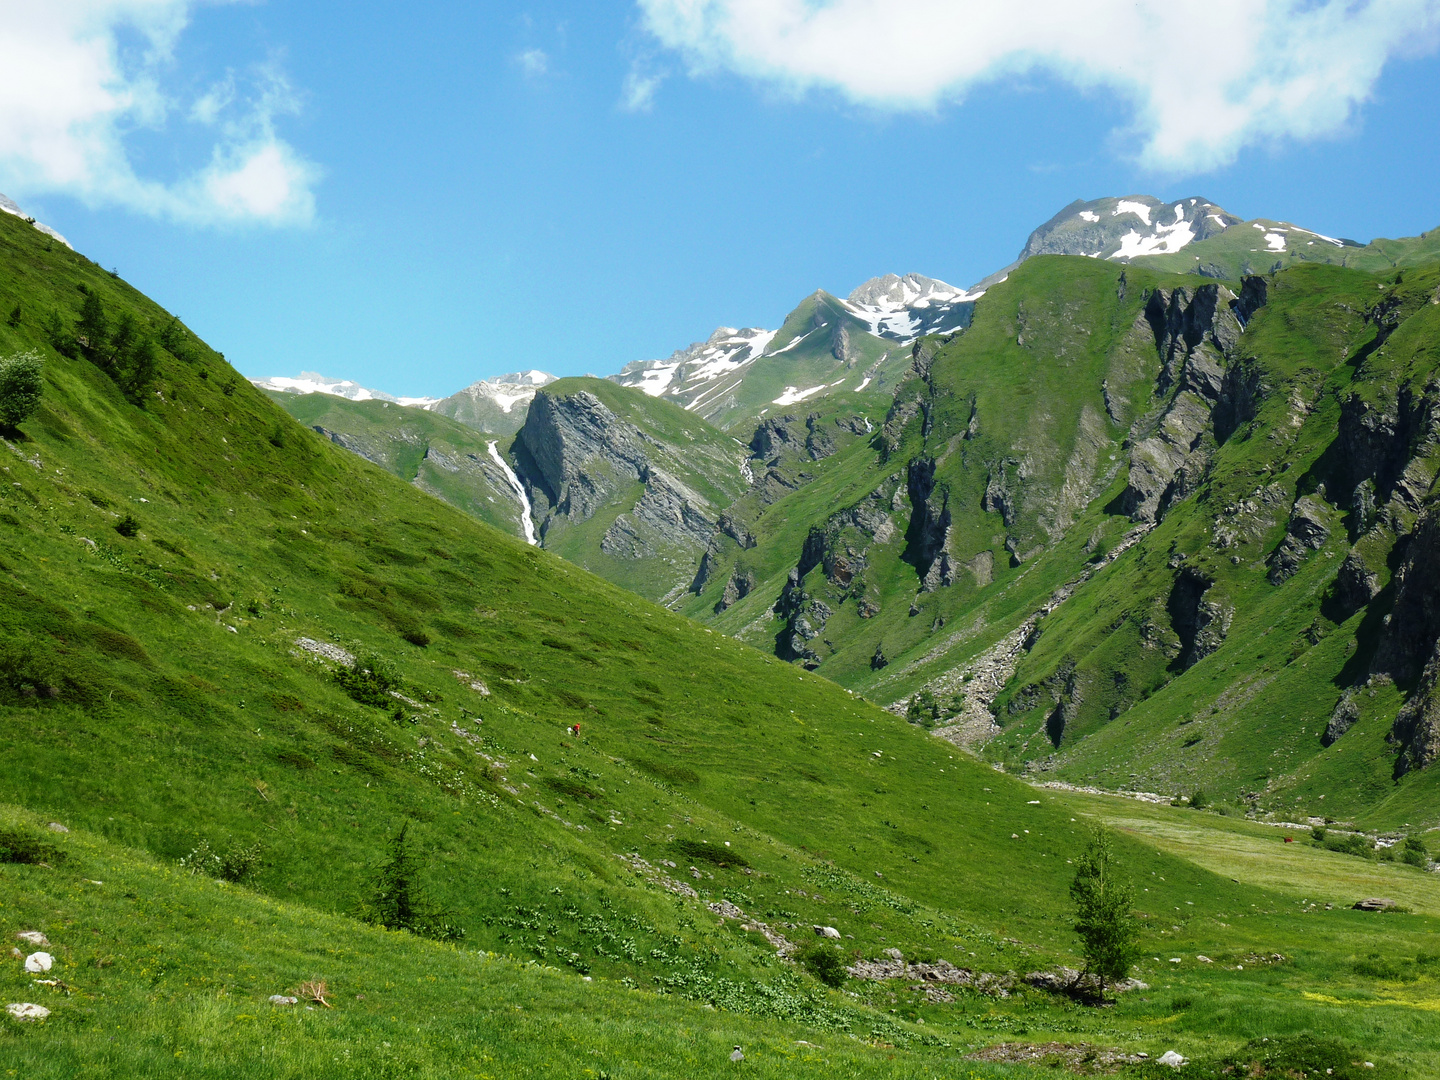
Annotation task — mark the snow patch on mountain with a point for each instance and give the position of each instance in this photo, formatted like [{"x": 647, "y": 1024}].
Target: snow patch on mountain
[
  {"x": 311, "y": 382},
  {"x": 9, "y": 206},
  {"x": 793, "y": 394},
  {"x": 721, "y": 355},
  {"x": 904, "y": 308}
]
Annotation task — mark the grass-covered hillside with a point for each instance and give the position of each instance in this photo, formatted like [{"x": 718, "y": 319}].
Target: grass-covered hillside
[
  {"x": 233, "y": 650},
  {"x": 444, "y": 457}
]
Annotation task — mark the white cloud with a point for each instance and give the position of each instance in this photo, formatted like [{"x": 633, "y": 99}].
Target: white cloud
[
  {"x": 638, "y": 92},
  {"x": 534, "y": 63},
  {"x": 73, "y": 85},
  {"x": 1205, "y": 80}
]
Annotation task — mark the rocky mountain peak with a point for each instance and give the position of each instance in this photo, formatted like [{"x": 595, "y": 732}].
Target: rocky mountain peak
[
  {"x": 1122, "y": 228},
  {"x": 893, "y": 290}
]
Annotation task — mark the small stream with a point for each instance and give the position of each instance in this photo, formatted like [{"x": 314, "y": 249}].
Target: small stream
[{"x": 526, "y": 521}]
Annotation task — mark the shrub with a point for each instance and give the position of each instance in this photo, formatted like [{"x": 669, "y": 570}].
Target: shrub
[
  {"x": 236, "y": 863},
  {"x": 20, "y": 387},
  {"x": 824, "y": 962},
  {"x": 1199, "y": 800},
  {"x": 368, "y": 681},
  {"x": 417, "y": 637},
  {"x": 14, "y": 317},
  {"x": 1103, "y": 917},
  {"x": 127, "y": 526},
  {"x": 716, "y": 855},
  {"x": 1318, "y": 834},
  {"x": 21, "y": 846}
]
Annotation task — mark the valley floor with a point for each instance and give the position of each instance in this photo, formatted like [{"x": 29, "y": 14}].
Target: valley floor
[{"x": 159, "y": 973}]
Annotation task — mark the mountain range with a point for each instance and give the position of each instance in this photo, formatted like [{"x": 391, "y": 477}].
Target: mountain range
[
  {"x": 309, "y": 772},
  {"x": 857, "y": 491}
]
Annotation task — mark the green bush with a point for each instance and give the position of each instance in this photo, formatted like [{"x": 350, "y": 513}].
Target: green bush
[
  {"x": 1199, "y": 800},
  {"x": 20, "y": 387},
  {"x": 369, "y": 682},
  {"x": 824, "y": 962},
  {"x": 236, "y": 863},
  {"x": 20, "y": 846},
  {"x": 1318, "y": 834},
  {"x": 127, "y": 526}
]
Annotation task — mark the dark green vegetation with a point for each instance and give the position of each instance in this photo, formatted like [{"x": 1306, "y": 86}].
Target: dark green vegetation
[
  {"x": 20, "y": 388},
  {"x": 1104, "y": 899},
  {"x": 293, "y": 654}
]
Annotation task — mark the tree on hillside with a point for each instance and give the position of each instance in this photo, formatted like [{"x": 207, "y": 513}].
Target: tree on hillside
[
  {"x": 122, "y": 349},
  {"x": 398, "y": 900},
  {"x": 1104, "y": 897},
  {"x": 20, "y": 387}
]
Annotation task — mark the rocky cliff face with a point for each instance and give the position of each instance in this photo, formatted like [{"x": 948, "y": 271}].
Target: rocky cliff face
[{"x": 1196, "y": 334}]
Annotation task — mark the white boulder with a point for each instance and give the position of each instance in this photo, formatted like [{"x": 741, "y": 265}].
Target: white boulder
[
  {"x": 39, "y": 961},
  {"x": 31, "y": 937},
  {"x": 827, "y": 932},
  {"x": 24, "y": 1010},
  {"x": 1171, "y": 1058}
]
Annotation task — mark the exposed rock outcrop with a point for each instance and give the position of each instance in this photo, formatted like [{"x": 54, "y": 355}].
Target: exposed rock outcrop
[
  {"x": 927, "y": 540},
  {"x": 1200, "y": 623},
  {"x": 740, "y": 585},
  {"x": 1307, "y": 532},
  {"x": 1196, "y": 334}
]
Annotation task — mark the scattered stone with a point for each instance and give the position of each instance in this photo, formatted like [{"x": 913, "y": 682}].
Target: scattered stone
[
  {"x": 942, "y": 972},
  {"x": 325, "y": 649},
  {"x": 32, "y": 937},
  {"x": 827, "y": 932},
  {"x": 39, "y": 961},
  {"x": 1171, "y": 1058},
  {"x": 1204, "y": 959},
  {"x": 1066, "y": 980},
  {"x": 726, "y": 909},
  {"x": 736, "y": 1055},
  {"x": 55, "y": 826},
  {"x": 283, "y": 999},
  {"x": 24, "y": 1010},
  {"x": 1374, "y": 903},
  {"x": 1079, "y": 1057}
]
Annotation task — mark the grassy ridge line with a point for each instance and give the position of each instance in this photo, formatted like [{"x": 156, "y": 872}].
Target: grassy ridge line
[{"x": 1231, "y": 252}]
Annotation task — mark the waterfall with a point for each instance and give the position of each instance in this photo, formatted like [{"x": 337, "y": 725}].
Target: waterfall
[{"x": 526, "y": 522}]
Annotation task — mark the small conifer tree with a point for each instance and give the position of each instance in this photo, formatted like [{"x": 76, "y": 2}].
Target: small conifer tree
[
  {"x": 399, "y": 901},
  {"x": 20, "y": 387},
  {"x": 1103, "y": 898}
]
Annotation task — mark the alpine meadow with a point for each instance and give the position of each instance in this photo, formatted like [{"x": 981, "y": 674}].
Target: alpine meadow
[{"x": 1038, "y": 677}]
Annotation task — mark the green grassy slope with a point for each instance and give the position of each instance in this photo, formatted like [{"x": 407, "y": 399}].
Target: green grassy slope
[
  {"x": 436, "y": 454},
  {"x": 156, "y": 696},
  {"x": 1020, "y": 392}
]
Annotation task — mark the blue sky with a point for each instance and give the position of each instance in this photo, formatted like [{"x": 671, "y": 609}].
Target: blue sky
[{"x": 417, "y": 200}]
